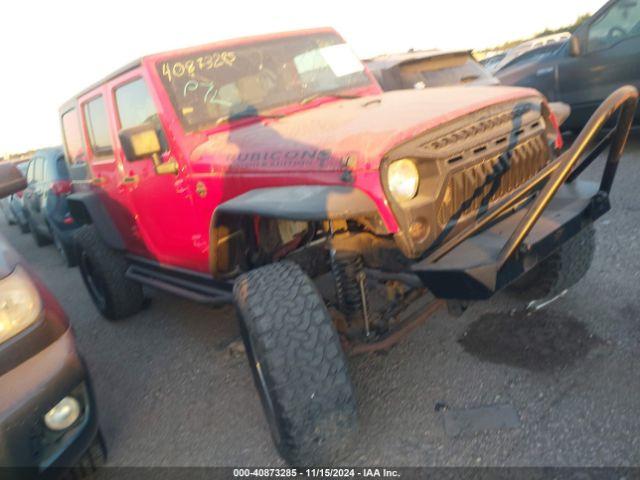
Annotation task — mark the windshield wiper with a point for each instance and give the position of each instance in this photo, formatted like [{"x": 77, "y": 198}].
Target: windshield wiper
[
  {"x": 242, "y": 116},
  {"x": 343, "y": 96},
  {"x": 469, "y": 78}
]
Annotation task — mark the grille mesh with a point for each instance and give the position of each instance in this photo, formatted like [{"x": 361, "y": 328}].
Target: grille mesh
[
  {"x": 482, "y": 126},
  {"x": 466, "y": 189}
]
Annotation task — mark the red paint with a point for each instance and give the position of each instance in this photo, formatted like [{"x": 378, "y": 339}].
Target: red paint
[
  {"x": 162, "y": 216},
  {"x": 61, "y": 187}
]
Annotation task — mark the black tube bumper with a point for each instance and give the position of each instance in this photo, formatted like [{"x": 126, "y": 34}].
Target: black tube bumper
[{"x": 469, "y": 272}]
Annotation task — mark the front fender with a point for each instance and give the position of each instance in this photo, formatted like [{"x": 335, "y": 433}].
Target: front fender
[{"x": 296, "y": 203}]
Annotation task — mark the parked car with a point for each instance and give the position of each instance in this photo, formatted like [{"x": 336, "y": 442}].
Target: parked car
[
  {"x": 48, "y": 416},
  {"x": 6, "y": 211},
  {"x": 491, "y": 63},
  {"x": 45, "y": 202},
  {"x": 15, "y": 203},
  {"x": 428, "y": 68},
  {"x": 512, "y": 54},
  {"x": 602, "y": 55},
  {"x": 244, "y": 170}
]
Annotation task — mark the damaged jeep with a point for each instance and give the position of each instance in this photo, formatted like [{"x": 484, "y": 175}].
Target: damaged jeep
[{"x": 273, "y": 172}]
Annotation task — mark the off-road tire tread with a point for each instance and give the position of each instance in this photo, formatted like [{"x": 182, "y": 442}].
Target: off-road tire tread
[
  {"x": 124, "y": 297},
  {"x": 560, "y": 271},
  {"x": 304, "y": 366}
]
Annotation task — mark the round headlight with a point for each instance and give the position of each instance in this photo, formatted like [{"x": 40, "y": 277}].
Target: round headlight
[
  {"x": 403, "y": 178},
  {"x": 63, "y": 415}
]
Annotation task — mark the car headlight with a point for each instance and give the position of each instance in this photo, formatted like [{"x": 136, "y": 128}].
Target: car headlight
[
  {"x": 20, "y": 304},
  {"x": 403, "y": 179}
]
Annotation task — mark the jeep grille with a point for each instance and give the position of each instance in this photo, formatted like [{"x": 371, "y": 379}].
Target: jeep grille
[{"x": 526, "y": 159}]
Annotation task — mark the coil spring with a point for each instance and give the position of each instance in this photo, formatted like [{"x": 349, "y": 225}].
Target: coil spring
[{"x": 346, "y": 267}]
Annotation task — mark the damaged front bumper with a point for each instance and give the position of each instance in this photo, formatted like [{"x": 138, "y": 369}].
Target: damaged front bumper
[{"x": 532, "y": 222}]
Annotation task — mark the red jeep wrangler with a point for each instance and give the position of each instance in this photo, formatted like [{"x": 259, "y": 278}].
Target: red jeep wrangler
[{"x": 240, "y": 171}]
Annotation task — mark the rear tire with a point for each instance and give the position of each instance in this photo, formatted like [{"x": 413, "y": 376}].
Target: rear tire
[
  {"x": 560, "y": 271},
  {"x": 41, "y": 240},
  {"x": 67, "y": 252},
  {"x": 24, "y": 227},
  {"x": 103, "y": 272},
  {"x": 298, "y": 365}
]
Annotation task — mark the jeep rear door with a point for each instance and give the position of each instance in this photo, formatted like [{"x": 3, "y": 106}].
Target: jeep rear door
[{"x": 104, "y": 180}]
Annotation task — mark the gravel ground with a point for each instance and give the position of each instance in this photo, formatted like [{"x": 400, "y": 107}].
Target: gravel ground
[{"x": 169, "y": 392}]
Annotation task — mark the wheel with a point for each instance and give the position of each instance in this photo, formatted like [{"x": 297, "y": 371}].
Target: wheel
[
  {"x": 298, "y": 365},
  {"x": 24, "y": 226},
  {"x": 66, "y": 251},
  {"x": 41, "y": 240},
  {"x": 563, "y": 269},
  {"x": 103, "y": 272}
]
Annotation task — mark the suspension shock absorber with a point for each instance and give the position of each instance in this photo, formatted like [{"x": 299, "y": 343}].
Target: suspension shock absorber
[{"x": 351, "y": 286}]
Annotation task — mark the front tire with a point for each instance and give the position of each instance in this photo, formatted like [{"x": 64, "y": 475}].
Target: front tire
[
  {"x": 298, "y": 365},
  {"x": 103, "y": 272}
]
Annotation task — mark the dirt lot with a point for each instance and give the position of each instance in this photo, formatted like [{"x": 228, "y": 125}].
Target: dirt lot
[{"x": 564, "y": 385}]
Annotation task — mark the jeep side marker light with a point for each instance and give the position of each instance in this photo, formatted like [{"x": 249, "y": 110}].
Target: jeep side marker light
[{"x": 403, "y": 178}]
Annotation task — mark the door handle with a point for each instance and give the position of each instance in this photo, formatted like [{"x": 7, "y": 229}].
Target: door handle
[
  {"x": 131, "y": 179},
  {"x": 98, "y": 180},
  {"x": 544, "y": 71}
]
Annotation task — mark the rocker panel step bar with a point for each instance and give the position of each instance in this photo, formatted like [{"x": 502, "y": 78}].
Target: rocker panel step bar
[{"x": 192, "y": 285}]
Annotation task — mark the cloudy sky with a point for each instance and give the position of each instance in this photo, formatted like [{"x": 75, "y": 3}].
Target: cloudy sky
[{"x": 50, "y": 50}]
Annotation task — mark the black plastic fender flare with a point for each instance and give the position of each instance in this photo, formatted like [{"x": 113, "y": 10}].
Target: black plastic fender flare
[
  {"x": 296, "y": 203},
  {"x": 87, "y": 208}
]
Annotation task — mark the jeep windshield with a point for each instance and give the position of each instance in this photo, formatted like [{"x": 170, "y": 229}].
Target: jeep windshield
[{"x": 212, "y": 86}]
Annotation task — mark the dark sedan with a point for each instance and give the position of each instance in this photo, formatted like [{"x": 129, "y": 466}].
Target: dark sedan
[
  {"x": 428, "y": 68},
  {"x": 602, "y": 55},
  {"x": 48, "y": 417}
]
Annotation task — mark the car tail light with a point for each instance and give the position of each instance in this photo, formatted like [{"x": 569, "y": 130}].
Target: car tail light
[{"x": 61, "y": 187}]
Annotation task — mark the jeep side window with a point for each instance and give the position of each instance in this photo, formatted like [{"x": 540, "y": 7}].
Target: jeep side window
[
  {"x": 30, "y": 171},
  {"x": 135, "y": 105},
  {"x": 72, "y": 136},
  {"x": 95, "y": 114},
  {"x": 621, "y": 21}
]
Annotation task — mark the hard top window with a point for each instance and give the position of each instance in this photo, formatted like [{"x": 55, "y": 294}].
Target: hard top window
[
  {"x": 95, "y": 114},
  {"x": 30, "y": 170},
  {"x": 135, "y": 105},
  {"x": 72, "y": 136},
  {"x": 620, "y": 21},
  {"x": 61, "y": 171},
  {"x": 441, "y": 71},
  {"x": 36, "y": 169},
  {"x": 211, "y": 86}
]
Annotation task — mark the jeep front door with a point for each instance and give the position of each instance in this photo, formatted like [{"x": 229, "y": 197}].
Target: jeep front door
[{"x": 160, "y": 198}]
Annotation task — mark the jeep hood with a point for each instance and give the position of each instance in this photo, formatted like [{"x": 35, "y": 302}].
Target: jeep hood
[{"x": 363, "y": 129}]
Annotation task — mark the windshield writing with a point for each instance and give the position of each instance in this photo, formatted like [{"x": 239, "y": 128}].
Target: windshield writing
[{"x": 209, "y": 87}]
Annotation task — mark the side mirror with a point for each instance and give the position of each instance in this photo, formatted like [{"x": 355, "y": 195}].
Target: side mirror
[
  {"x": 140, "y": 142},
  {"x": 11, "y": 180},
  {"x": 575, "y": 49}
]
